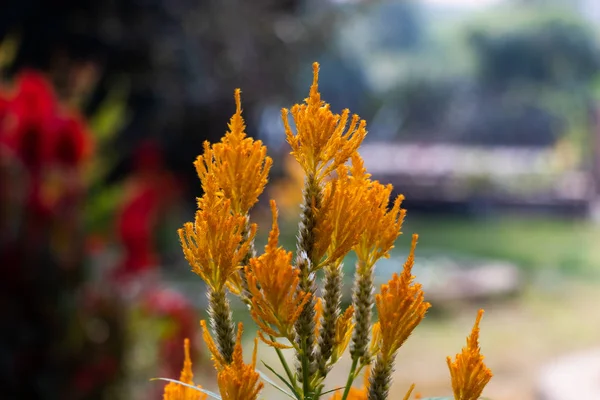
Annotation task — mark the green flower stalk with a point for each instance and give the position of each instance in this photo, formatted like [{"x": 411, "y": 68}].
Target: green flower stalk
[
  {"x": 305, "y": 325},
  {"x": 332, "y": 298},
  {"x": 221, "y": 322},
  {"x": 363, "y": 300}
]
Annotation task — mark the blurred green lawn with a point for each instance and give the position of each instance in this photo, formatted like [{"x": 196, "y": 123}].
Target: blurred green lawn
[
  {"x": 533, "y": 243},
  {"x": 568, "y": 245}
]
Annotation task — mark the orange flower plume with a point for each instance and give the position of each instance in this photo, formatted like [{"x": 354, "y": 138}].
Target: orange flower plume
[
  {"x": 401, "y": 307},
  {"x": 343, "y": 214},
  {"x": 237, "y": 381},
  {"x": 175, "y": 391},
  {"x": 239, "y": 164},
  {"x": 343, "y": 333},
  {"x": 323, "y": 140},
  {"x": 382, "y": 227},
  {"x": 469, "y": 373},
  {"x": 273, "y": 282},
  {"x": 213, "y": 244}
]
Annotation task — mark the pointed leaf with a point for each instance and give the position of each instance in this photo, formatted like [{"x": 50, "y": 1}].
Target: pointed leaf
[
  {"x": 276, "y": 386},
  {"x": 333, "y": 390},
  {"x": 288, "y": 384}
]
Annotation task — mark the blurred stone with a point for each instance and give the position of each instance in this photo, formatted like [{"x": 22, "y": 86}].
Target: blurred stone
[
  {"x": 572, "y": 377},
  {"x": 446, "y": 279}
]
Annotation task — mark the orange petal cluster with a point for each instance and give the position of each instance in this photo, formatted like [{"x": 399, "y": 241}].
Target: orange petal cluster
[
  {"x": 343, "y": 333},
  {"x": 213, "y": 244},
  {"x": 323, "y": 140},
  {"x": 237, "y": 381},
  {"x": 174, "y": 391},
  {"x": 401, "y": 307},
  {"x": 240, "y": 164},
  {"x": 469, "y": 373},
  {"x": 273, "y": 282},
  {"x": 343, "y": 214},
  {"x": 382, "y": 227}
]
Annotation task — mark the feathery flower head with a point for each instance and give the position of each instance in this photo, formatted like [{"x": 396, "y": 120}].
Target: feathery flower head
[
  {"x": 469, "y": 373},
  {"x": 401, "y": 307},
  {"x": 323, "y": 140},
  {"x": 213, "y": 244},
  {"x": 318, "y": 315},
  {"x": 343, "y": 333},
  {"x": 175, "y": 391},
  {"x": 240, "y": 164},
  {"x": 215, "y": 354},
  {"x": 343, "y": 213},
  {"x": 375, "y": 344},
  {"x": 239, "y": 381},
  {"x": 382, "y": 227},
  {"x": 273, "y": 282}
]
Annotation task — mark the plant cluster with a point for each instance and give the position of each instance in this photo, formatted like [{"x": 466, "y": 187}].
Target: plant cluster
[{"x": 343, "y": 210}]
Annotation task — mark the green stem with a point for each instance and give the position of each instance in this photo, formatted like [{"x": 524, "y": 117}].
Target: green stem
[
  {"x": 351, "y": 377},
  {"x": 222, "y": 323},
  {"x": 305, "y": 371},
  {"x": 286, "y": 367}
]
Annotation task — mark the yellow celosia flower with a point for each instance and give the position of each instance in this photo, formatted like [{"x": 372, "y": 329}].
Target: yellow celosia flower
[
  {"x": 323, "y": 141},
  {"x": 343, "y": 333},
  {"x": 343, "y": 213},
  {"x": 174, "y": 391},
  {"x": 215, "y": 354},
  {"x": 213, "y": 244},
  {"x": 239, "y": 381},
  {"x": 273, "y": 282},
  {"x": 239, "y": 163},
  {"x": 318, "y": 315},
  {"x": 375, "y": 344},
  {"x": 401, "y": 307},
  {"x": 382, "y": 227},
  {"x": 469, "y": 373}
]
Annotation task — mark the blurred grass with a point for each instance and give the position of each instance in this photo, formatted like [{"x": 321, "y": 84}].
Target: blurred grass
[
  {"x": 568, "y": 245},
  {"x": 533, "y": 243}
]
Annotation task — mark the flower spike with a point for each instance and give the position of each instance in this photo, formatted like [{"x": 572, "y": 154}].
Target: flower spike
[
  {"x": 469, "y": 373},
  {"x": 239, "y": 164},
  {"x": 323, "y": 140},
  {"x": 275, "y": 302},
  {"x": 175, "y": 391}
]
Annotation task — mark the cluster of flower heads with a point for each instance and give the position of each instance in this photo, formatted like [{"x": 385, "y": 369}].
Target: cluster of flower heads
[
  {"x": 45, "y": 137},
  {"x": 343, "y": 210}
]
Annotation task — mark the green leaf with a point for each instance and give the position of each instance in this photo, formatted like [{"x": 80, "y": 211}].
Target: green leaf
[
  {"x": 333, "y": 390},
  {"x": 288, "y": 384},
  {"x": 276, "y": 386},
  {"x": 208, "y": 392}
]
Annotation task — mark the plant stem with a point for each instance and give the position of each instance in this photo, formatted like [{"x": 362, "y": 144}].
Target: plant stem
[
  {"x": 222, "y": 323},
  {"x": 351, "y": 377},
  {"x": 305, "y": 325},
  {"x": 305, "y": 371},
  {"x": 286, "y": 367},
  {"x": 332, "y": 297},
  {"x": 362, "y": 299}
]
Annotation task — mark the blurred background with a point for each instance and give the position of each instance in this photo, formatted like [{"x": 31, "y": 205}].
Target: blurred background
[{"x": 485, "y": 114}]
